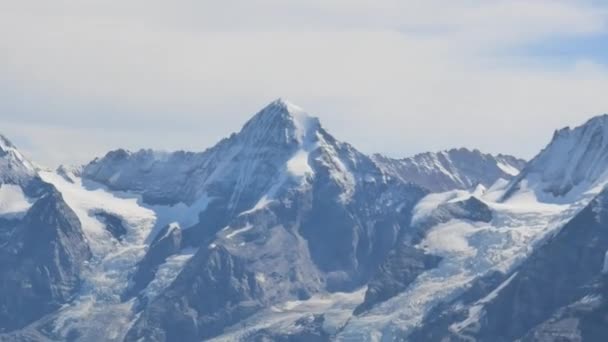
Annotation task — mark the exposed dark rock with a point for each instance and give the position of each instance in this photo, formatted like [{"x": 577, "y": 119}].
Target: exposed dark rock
[
  {"x": 584, "y": 320},
  {"x": 40, "y": 263},
  {"x": 114, "y": 224},
  {"x": 402, "y": 266},
  {"x": 213, "y": 291}
]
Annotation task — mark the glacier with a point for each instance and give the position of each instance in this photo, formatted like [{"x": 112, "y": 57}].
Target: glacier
[{"x": 282, "y": 232}]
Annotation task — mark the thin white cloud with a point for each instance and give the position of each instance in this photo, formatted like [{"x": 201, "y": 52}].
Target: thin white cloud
[{"x": 389, "y": 76}]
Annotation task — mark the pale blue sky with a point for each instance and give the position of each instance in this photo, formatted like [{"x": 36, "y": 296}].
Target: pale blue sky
[
  {"x": 567, "y": 50},
  {"x": 80, "y": 77}
]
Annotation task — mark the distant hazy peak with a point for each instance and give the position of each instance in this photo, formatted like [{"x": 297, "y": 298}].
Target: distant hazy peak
[{"x": 452, "y": 169}]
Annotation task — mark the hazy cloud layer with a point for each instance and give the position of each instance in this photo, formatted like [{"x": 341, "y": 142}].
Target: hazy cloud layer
[{"x": 399, "y": 77}]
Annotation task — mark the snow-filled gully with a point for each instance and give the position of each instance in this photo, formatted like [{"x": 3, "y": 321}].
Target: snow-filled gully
[{"x": 97, "y": 312}]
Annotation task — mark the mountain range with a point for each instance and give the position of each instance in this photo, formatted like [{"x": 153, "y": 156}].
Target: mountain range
[{"x": 281, "y": 232}]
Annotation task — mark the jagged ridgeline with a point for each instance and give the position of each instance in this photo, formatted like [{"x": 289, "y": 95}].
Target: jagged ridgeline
[{"x": 281, "y": 232}]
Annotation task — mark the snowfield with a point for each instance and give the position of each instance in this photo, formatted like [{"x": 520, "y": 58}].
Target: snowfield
[
  {"x": 98, "y": 312},
  {"x": 13, "y": 202},
  {"x": 470, "y": 250}
]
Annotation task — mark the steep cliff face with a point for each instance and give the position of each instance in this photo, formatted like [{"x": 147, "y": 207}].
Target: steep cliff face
[
  {"x": 40, "y": 263},
  {"x": 319, "y": 217},
  {"x": 14, "y": 168},
  {"x": 560, "y": 273},
  {"x": 583, "y": 320},
  {"x": 42, "y": 247}
]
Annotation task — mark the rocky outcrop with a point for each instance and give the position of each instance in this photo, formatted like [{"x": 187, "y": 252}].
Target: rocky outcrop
[
  {"x": 213, "y": 291},
  {"x": 168, "y": 242},
  {"x": 40, "y": 263}
]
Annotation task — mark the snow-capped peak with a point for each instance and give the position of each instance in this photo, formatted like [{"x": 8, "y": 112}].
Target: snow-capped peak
[
  {"x": 14, "y": 167},
  {"x": 575, "y": 163},
  {"x": 5, "y": 144},
  {"x": 7, "y": 148},
  {"x": 286, "y": 106},
  {"x": 281, "y": 121}
]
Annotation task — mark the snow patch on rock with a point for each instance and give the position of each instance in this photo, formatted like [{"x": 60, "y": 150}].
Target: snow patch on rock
[
  {"x": 298, "y": 165},
  {"x": 13, "y": 202},
  {"x": 508, "y": 169},
  {"x": 236, "y": 232}
]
